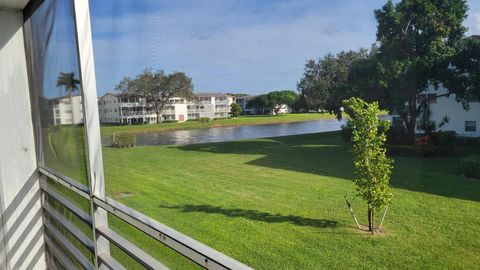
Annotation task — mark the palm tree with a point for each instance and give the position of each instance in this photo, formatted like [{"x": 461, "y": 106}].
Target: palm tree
[{"x": 71, "y": 84}]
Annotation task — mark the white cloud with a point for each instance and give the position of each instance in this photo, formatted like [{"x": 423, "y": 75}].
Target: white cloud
[{"x": 224, "y": 49}]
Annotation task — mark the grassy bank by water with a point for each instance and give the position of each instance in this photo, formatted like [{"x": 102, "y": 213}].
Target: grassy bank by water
[
  {"x": 237, "y": 121},
  {"x": 278, "y": 204}
]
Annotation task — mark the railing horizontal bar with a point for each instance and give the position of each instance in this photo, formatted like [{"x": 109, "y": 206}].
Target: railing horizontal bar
[
  {"x": 190, "y": 248},
  {"x": 69, "y": 226},
  {"x": 129, "y": 248},
  {"x": 59, "y": 255},
  {"x": 69, "y": 183},
  {"x": 86, "y": 264},
  {"x": 109, "y": 262},
  {"x": 69, "y": 205}
]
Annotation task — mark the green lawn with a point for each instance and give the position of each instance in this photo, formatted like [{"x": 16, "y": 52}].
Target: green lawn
[
  {"x": 237, "y": 121},
  {"x": 278, "y": 204}
]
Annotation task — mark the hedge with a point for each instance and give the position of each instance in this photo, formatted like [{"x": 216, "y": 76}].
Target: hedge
[
  {"x": 471, "y": 166},
  {"x": 419, "y": 151},
  {"x": 124, "y": 140}
]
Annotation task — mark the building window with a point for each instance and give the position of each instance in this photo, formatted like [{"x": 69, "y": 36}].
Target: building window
[{"x": 470, "y": 126}]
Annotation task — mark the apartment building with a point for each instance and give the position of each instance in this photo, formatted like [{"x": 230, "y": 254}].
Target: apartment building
[
  {"x": 463, "y": 122},
  {"x": 66, "y": 110},
  {"x": 135, "y": 109},
  {"x": 210, "y": 105}
]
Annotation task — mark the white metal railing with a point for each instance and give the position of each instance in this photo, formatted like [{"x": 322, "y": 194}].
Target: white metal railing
[{"x": 58, "y": 244}]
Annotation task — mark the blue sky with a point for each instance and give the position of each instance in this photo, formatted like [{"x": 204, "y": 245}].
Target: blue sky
[{"x": 248, "y": 46}]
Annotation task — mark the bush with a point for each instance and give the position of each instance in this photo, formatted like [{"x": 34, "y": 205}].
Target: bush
[
  {"x": 397, "y": 136},
  {"x": 444, "y": 138},
  {"x": 429, "y": 151},
  {"x": 170, "y": 121},
  {"x": 468, "y": 141},
  {"x": 204, "y": 119},
  {"x": 471, "y": 166},
  {"x": 124, "y": 140}
]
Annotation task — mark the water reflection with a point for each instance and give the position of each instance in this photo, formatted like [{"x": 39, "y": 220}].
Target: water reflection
[{"x": 234, "y": 133}]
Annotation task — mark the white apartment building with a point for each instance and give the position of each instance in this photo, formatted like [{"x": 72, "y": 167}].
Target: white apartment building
[
  {"x": 463, "y": 122},
  {"x": 66, "y": 110},
  {"x": 134, "y": 109},
  {"x": 210, "y": 105}
]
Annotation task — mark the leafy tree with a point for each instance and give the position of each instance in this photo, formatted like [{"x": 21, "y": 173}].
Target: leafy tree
[
  {"x": 71, "y": 84},
  {"x": 258, "y": 102},
  {"x": 277, "y": 99},
  {"x": 417, "y": 40},
  {"x": 325, "y": 83},
  {"x": 158, "y": 88},
  {"x": 235, "y": 110},
  {"x": 463, "y": 73},
  {"x": 274, "y": 100},
  {"x": 372, "y": 167}
]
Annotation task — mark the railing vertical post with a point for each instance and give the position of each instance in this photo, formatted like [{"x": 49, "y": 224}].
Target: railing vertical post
[{"x": 92, "y": 124}]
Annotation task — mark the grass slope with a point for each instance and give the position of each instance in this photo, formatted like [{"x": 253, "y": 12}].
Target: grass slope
[{"x": 278, "y": 204}]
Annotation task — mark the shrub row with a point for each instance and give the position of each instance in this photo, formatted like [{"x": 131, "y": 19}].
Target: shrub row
[
  {"x": 420, "y": 151},
  {"x": 471, "y": 166},
  {"x": 203, "y": 119},
  {"x": 124, "y": 140}
]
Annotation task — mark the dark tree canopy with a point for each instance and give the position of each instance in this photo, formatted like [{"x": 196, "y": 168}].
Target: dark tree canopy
[
  {"x": 68, "y": 80},
  {"x": 325, "y": 83},
  {"x": 417, "y": 39},
  {"x": 158, "y": 87},
  {"x": 463, "y": 75}
]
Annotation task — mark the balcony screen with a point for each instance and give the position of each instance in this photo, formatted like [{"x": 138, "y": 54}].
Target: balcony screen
[{"x": 51, "y": 45}]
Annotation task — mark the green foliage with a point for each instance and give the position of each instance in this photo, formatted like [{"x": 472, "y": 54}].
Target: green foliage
[
  {"x": 415, "y": 151},
  {"x": 203, "y": 119},
  {"x": 417, "y": 40},
  {"x": 124, "y": 140},
  {"x": 444, "y": 138},
  {"x": 235, "y": 110},
  {"x": 157, "y": 87},
  {"x": 463, "y": 75},
  {"x": 68, "y": 80},
  {"x": 169, "y": 121},
  {"x": 274, "y": 100},
  {"x": 471, "y": 166},
  {"x": 372, "y": 167},
  {"x": 325, "y": 83}
]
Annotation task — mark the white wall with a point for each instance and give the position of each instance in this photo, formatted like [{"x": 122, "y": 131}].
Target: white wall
[
  {"x": 19, "y": 188},
  {"x": 447, "y": 106}
]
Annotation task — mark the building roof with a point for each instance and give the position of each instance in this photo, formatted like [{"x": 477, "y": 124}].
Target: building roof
[
  {"x": 212, "y": 95},
  {"x": 248, "y": 97},
  {"x": 65, "y": 96}
]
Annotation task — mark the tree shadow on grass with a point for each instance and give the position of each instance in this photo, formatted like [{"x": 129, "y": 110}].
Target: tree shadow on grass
[
  {"x": 326, "y": 154},
  {"x": 256, "y": 215}
]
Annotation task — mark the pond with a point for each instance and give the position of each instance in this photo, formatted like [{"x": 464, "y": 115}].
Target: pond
[{"x": 222, "y": 134}]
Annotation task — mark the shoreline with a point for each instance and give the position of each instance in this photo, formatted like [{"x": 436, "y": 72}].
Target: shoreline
[{"x": 219, "y": 123}]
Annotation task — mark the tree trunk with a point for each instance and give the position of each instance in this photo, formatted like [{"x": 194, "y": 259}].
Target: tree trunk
[
  {"x": 371, "y": 220},
  {"x": 159, "y": 116}
]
